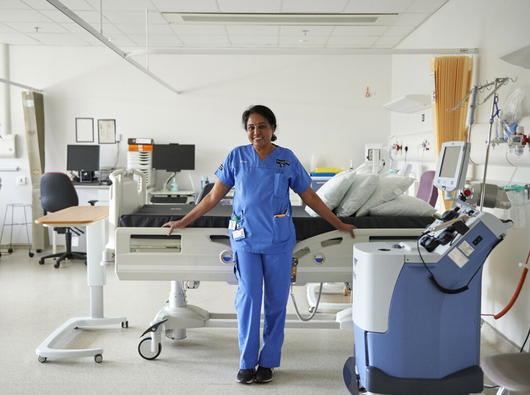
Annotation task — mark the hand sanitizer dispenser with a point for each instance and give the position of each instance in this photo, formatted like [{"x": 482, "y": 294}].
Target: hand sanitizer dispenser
[{"x": 8, "y": 146}]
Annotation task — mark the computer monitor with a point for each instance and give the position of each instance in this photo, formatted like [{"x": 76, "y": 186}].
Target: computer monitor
[
  {"x": 452, "y": 166},
  {"x": 174, "y": 157},
  {"x": 83, "y": 159}
]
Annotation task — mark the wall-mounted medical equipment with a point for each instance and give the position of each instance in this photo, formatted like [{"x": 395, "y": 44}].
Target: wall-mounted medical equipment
[
  {"x": 376, "y": 158},
  {"x": 8, "y": 146},
  {"x": 416, "y": 306}
]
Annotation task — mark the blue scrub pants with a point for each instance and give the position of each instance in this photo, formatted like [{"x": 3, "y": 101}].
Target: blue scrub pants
[{"x": 252, "y": 272}]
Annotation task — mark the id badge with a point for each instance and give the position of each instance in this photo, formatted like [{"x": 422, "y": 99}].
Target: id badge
[
  {"x": 232, "y": 225},
  {"x": 238, "y": 234}
]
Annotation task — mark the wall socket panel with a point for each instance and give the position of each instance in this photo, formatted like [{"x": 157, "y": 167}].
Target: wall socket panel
[{"x": 21, "y": 180}]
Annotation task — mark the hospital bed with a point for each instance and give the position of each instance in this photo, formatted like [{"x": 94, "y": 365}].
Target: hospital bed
[{"x": 202, "y": 252}]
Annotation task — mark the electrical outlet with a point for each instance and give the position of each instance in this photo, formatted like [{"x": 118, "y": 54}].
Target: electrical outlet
[{"x": 21, "y": 180}]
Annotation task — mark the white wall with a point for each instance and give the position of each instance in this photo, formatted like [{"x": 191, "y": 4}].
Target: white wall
[
  {"x": 494, "y": 29},
  {"x": 319, "y": 102}
]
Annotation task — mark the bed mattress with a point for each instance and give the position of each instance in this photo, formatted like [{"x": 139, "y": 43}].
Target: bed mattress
[{"x": 152, "y": 215}]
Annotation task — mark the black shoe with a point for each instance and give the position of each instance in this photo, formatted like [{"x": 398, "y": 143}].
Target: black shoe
[
  {"x": 245, "y": 376},
  {"x": 263, "y": 375}
]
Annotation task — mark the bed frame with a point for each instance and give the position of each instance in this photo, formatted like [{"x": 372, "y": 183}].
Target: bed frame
[{"x": 202, "y": 252}]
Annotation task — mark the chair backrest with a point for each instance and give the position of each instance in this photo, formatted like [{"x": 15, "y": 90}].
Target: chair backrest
[
  {"x": 205, "y": 191},
  {"x": 426, "y": 190},
  {"x": 57, "y": 192}
]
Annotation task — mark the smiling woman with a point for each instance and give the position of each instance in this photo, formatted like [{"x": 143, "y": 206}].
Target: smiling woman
[
  {"x": 262, "y": 236},
  {"x": 260, "y": 123}
]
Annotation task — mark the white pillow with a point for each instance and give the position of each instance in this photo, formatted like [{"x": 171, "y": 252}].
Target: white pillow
[
  {"x": 360, "y": 190},
  {"x": 390, "y": 187},
  {"x": 333, "y": 191},
  {"x": 404, "y": 205}
]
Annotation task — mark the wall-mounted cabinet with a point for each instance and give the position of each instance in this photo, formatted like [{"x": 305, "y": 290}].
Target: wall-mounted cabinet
[{"x": 409, "y": 103}]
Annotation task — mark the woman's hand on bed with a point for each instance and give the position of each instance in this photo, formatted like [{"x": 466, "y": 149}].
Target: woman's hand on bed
[
  {"x": 173, "y": 225},
  {"x": 347, "y": 228}
]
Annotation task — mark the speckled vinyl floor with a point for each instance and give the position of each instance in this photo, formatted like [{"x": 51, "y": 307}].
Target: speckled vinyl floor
[{"x": 36, "y": 299}]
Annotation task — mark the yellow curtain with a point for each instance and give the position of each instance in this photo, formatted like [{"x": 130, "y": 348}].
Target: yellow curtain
[{"x": 451, "y": 80}]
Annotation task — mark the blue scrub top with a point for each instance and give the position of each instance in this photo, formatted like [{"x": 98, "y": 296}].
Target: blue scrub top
[{"x": 261, "y": 192}]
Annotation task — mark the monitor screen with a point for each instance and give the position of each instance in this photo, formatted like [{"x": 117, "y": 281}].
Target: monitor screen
[
  {"x": 452, "y": 166},
  {"x": 449, "y": 162},
  {"x": 82, "y": 157},
  {"x": 174, "y": 157}
]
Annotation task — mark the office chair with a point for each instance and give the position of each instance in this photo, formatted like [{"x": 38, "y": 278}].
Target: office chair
[
  {"x": 57, "y": 193},
  {"x": 509, "y": 371},
  {"x": 427, "y": 191},
  {"x": 205, "y": 191}
]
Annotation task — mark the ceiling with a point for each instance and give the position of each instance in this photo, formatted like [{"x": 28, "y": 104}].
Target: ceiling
[{"x": 128, "y": 26}]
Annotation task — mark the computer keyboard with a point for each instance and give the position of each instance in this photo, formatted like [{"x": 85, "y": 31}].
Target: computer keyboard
[{"x": 169, "y": 199}]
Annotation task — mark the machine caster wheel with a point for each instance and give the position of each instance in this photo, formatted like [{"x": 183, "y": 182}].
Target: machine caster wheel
[
  {"x": 98, "y": 358},
  {"x": 144, "y": 349},
  {"x": 10, "y": 250},
  {"x": 42, "y": 359},
  {"x": 31, "y": 254},
  {"x": 125, "y": 324}
]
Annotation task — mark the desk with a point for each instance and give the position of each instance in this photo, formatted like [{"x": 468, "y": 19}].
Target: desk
[{"x": 92, "y": 217}]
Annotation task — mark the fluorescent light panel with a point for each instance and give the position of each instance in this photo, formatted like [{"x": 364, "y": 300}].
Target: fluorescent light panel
[{"x": 280, "y": 19}]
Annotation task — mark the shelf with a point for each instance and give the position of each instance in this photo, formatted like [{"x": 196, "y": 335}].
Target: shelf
[{"x": 409, "y": 103}]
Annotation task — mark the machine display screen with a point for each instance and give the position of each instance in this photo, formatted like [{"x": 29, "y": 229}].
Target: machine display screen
[{"x": 450, "y": 162}]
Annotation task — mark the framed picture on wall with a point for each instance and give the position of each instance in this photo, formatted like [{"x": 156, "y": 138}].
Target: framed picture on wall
[
  {"x": 84, "y": 130},
  {"x": 107, "y": 131}
]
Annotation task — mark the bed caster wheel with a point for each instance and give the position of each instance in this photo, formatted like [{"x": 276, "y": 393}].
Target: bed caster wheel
[
  {"x": 144, "y": 349},
  {"x": 10, "y": 250},
  {"x": 42, "y": 359},
  {"x": 31, "y": 254},
  {"x": 98, "y": 358},
  {"x": 125, "y": 324}
]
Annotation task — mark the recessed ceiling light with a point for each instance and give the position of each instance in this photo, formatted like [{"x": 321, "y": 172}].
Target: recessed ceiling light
[{"x": 280, "y": 19}]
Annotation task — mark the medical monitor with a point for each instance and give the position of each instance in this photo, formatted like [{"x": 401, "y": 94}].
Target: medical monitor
[
  {"x": 83, "y": 159},
  {"x": 174, "y": 157},
  {"x": 452, "y": 166}
]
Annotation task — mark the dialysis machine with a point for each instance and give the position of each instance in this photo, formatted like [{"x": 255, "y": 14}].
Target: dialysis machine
[{"x": 416, "y": 305}]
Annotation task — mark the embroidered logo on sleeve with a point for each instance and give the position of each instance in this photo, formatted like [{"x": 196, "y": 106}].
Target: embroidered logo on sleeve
[{"x": 282, "y": 163}]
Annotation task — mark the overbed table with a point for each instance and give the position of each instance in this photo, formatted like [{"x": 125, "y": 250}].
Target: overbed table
[{"x": 92, "y": 218}]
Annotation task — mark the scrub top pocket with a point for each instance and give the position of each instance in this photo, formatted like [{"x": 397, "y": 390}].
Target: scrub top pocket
[
  {"x": 281, "y": 185},
  {"x": 283, "y": 229}
]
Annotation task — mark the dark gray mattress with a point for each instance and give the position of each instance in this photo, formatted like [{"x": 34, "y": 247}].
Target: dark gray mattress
[{"x": 152, "y": 215}]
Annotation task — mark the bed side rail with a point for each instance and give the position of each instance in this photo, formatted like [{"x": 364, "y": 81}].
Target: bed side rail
[
  {"x": 195, "y": 254},
  {"x": 204, "y": 254},
  {"x": 328, "y": 257}
]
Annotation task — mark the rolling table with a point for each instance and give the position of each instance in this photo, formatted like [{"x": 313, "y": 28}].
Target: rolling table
[{"x": 92, "y": 217}]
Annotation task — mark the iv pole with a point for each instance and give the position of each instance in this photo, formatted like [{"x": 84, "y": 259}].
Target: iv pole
[{"x": 471, "y": 119}]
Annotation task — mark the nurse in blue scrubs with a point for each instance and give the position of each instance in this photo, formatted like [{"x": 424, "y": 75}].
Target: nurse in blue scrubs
[{"x": 262, "y": 236}]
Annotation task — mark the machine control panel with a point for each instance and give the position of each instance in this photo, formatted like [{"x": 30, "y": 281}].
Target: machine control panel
[{"x": 445, "y": 230}]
